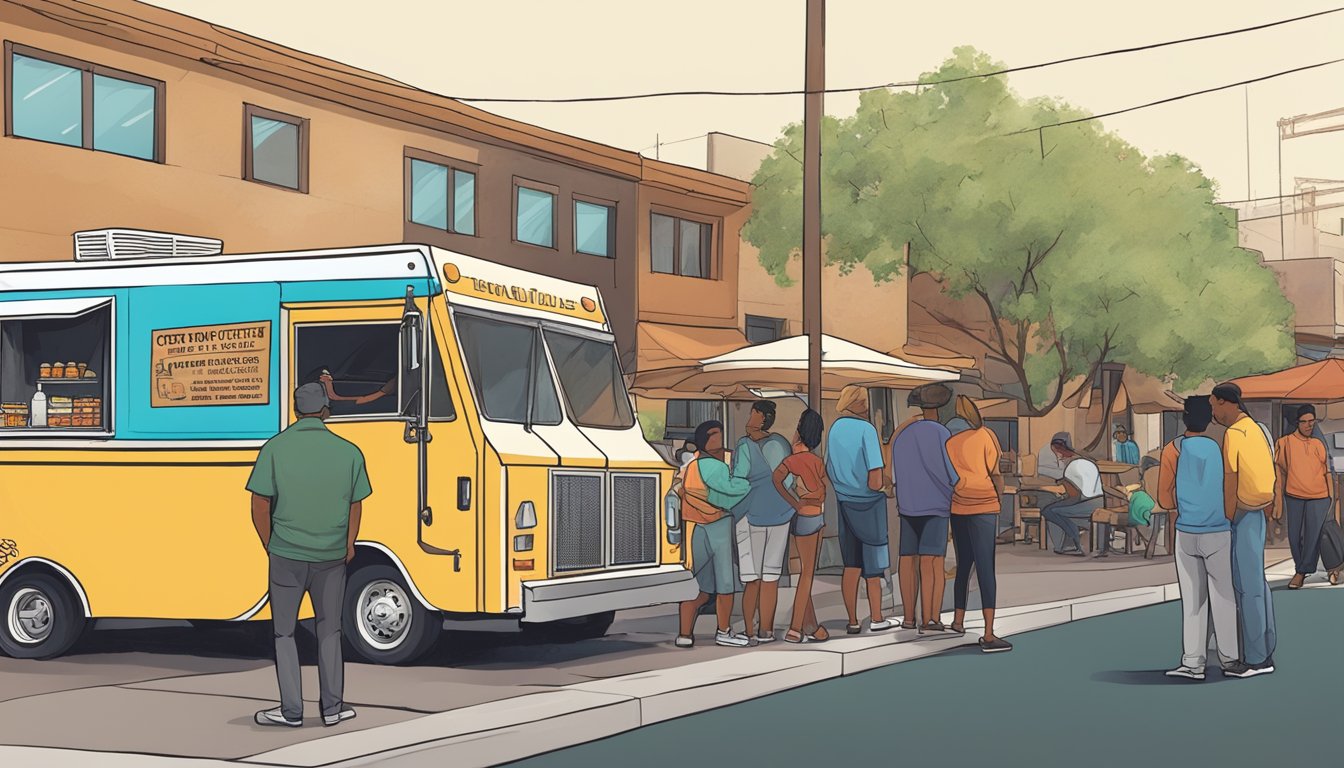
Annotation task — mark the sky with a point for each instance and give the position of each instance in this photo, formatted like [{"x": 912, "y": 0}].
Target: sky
[{"x": 557, "y": 49}]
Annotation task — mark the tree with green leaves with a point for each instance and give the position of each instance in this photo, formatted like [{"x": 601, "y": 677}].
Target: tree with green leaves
[{"x": 1078, "y": 249}]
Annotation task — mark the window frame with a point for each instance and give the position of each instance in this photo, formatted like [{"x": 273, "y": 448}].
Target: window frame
[
  {"x": 778, "y": 324},
  {"x": 395, "y": 415},
  {"x": 708, "y": 261},
  {"x": 109, "y": 393},
  {"x": 302, "y": 123},
  {"x": 520, "y": 183},
  {"x": 610, "y": 205},
  {"x": 87, "y": 71},
  {"x": 453, "y": 165}
]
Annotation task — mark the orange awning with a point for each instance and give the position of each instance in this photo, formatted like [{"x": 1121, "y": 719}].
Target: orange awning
[
  {"x": 1322, "y": 381},
  {"x": 932, "y": 355},
  {"x": 668, "y": 353}
]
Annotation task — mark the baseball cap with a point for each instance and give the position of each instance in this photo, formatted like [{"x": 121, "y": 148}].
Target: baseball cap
[{"x": 310, "y": 398}]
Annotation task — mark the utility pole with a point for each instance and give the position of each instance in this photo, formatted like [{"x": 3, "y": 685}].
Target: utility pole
[{"x": 814, "y": 84}]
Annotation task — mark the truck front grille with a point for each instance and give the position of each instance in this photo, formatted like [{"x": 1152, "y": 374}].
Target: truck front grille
[
  {"x": 634, "y": 519},
  {"x": 576, "y": 514}
]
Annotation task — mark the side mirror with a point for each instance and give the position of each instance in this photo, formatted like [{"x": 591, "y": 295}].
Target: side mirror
[{"x": 410, "y": 341}]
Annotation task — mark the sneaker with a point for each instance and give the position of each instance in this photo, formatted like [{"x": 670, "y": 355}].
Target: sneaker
[
  {"x": 997, "y": 645},
  {"x": 684, "y": 641},
  {"x": 346, "y": 713},
  {"x": 731, "y": 639},
  {"x": 1242, "y": 670},
  {"x": 883, "y": 625},
  {"x": 763, "y": 639},
  {"x": 1189, "y": 673},
  {"x": 276, "y": 717}
]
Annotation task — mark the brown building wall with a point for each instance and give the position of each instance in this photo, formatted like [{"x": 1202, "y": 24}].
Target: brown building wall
[
  {"x": 709, "y": 302},
  {"x": 356, "y": 181}
]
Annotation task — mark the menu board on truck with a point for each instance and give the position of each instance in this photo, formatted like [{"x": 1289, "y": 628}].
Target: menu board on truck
[{"x": 211, "y": 365}]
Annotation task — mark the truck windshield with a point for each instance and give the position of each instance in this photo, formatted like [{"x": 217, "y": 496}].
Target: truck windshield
[
  {"x": 590, "y": 377},
  {"x": 509, "y": 372}
]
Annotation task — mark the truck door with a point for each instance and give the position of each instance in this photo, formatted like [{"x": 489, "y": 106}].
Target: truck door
[{"x": 358, "y": 351}]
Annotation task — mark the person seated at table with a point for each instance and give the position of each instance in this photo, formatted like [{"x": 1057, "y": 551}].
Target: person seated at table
[
  {"x": 1126, "y": 450},
  {"x": 1048, "y": 464},
  {"x": 1083, "y": 495}
]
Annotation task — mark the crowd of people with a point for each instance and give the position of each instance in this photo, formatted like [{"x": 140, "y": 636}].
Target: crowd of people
[{"x": 746, "y": 504}]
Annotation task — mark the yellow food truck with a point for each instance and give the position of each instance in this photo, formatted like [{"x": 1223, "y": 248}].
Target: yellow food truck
[{"x": 512, "y": 487}]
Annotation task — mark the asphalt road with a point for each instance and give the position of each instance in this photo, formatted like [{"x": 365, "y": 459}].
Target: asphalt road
[{"x": 1089, "y": 693}]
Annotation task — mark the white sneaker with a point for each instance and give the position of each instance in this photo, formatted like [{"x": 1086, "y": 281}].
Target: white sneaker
[
  {"x": 346, "y": 713},
  {"x": 275, "y": 717},
  {"x": 1189, "y": 673},
  {"x": 763, "y": 639},
  {"x": 731, "y": 639},
  {"x": 883, "y": 625}
]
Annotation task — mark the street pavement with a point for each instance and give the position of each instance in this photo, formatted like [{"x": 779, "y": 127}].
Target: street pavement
[
  {"x": 1086, "y": 693},
  {"x": 204, "y": 685}
]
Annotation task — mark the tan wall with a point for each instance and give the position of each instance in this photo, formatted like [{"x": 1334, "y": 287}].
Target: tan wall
[
  {"x": 690, "y": 300},
  {"x": 853, "y": 306}
]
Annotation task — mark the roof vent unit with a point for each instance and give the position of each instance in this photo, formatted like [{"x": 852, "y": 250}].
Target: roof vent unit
[{"x": 115, "y": 244}]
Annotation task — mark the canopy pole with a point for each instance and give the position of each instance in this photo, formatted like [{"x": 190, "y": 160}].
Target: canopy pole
[{"x": 814, "y": 84}]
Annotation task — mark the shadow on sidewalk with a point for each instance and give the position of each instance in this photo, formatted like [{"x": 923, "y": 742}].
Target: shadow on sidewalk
[{"x": 1151, "y": 677}]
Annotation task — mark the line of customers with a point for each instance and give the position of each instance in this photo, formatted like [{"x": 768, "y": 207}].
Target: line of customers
[{"x": 749, "y": 502}]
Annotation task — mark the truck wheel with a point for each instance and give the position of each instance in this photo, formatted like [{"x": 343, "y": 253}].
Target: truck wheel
[
  {"x": 382, "y": 621},
  {"x": 570, "y": 630},
  {"x": 41, "y": 619}
]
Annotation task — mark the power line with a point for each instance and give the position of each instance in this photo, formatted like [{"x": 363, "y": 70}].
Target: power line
[
  {"x": 906, "y": 84},
  {"x": 1329, "y": 191},
  {"x": 1176, "y": 98}
]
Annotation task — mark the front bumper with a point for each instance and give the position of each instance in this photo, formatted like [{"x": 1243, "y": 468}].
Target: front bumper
[{"x": 557, "y": 599}]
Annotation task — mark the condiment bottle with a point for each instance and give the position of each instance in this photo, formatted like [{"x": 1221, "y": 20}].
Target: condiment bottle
[{"x": 38, "y": 408}]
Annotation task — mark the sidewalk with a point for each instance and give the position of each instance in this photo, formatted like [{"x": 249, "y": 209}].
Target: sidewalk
[{"x": 504, "y": 699}]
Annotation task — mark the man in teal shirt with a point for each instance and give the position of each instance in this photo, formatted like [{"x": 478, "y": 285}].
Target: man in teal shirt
[{"x": 307, "y": 489}]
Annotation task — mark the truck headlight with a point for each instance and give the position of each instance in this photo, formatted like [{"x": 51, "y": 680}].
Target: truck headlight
[{"x": 526, "y": 517}]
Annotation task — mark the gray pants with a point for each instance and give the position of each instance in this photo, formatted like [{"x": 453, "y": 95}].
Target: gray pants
[
  {"x": 1306, "y": 518},
  {"x": 325, "y": 583},
  {"x": 1204, "y": 573}
]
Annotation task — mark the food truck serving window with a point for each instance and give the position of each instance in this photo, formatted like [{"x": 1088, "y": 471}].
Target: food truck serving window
[{"x": 55, "y": 367}]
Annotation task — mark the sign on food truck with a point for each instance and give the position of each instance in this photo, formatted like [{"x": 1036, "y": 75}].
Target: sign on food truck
[{"x": 211, "y": 365}]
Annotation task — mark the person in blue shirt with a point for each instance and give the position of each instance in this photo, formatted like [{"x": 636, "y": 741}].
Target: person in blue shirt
[
  {"x": 924, "y": 478},
  {"x": 854, "y": 465},
  {"x": 1126, "y": 450},
  {"x": 1190, "y": 482},
  {"x": 763, "y": 519}
]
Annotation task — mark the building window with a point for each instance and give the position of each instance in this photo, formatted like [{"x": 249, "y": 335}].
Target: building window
[
  {"x": 683, "y": 416},
  {"x": 594, "y": 228},
  {"x": 66, "y": 101},
  {"x": 275, "y": 150},
  {"x": 761, "y": 330},
  {"x": 1006, "y": 431},
  {"x": 535, "y": 216},
  {"x": 439, "y": 195},
  {"x": 680, "y": 247}
]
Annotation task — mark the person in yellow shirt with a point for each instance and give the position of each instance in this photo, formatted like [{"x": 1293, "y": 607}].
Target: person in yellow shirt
[
  {"x": 1303, "y": 491},
  {"x": 1248, "y": 488}
]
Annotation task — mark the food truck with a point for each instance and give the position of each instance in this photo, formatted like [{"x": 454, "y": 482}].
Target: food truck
[{"x": 512, "y": 486}]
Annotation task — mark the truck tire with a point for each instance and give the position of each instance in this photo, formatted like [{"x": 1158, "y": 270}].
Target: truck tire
[
  {"x": 571, "y": 630},
  {"x": 41, "y": 617},
  {"x": 382, "y": 622}
]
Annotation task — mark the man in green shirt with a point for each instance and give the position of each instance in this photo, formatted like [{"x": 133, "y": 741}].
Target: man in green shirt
[{"x": 307, "y": 489}]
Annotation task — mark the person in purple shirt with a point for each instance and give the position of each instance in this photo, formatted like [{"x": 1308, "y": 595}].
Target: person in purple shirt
[{"x": 924, "y": 478}]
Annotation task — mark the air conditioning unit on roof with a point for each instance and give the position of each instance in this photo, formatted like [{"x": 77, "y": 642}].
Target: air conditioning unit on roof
[{"x": 102, "y": 244}]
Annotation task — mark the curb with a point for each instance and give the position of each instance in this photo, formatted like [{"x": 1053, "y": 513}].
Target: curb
[{"x": 533, "y": 724}]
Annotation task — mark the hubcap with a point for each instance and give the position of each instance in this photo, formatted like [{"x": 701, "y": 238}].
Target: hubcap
[
  {"x": 384, "y": 615},
  {"x": 29, "y": 616}
]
